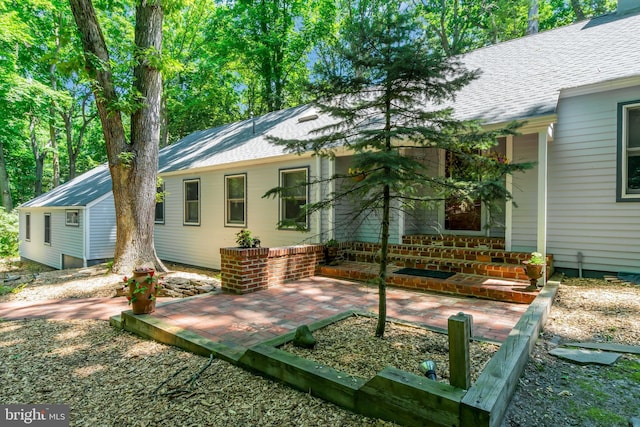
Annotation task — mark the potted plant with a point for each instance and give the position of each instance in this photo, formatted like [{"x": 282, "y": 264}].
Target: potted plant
[
  {"x": 330, "y": 251},
  {"x": 534, "y": 268},
  {"x": 245, "y": 240},
  {"x": 357, "y": 174},
  {"x": 143, "y": 290}
]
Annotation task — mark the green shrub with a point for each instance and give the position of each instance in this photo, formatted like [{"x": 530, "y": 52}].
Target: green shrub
[{"x": 8, "y": 233}]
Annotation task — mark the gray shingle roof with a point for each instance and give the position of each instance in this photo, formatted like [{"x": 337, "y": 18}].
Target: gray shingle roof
[
  {"x": 241, "y": 141},
  {"x": 80, "y": 191},
  {"x": 520, "y": 79}
]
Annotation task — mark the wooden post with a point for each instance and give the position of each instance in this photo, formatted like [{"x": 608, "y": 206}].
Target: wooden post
[{"x": 459, "y": 360}]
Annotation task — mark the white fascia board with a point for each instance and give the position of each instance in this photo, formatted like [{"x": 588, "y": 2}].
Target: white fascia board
[
  {"x": 604, "y": 86},
  {"x": 236, "y": 165}
]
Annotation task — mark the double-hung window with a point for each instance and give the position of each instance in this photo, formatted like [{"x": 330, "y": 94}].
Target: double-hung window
[
  {"x": 47, "y": 228},
  {"x": 236, "y": 200},
  {"x": 27, "y": 225},
  {"x": 293, "y": 198},
  {"x": 192, "y": 202},
  {"x": 629, "y": 151}
]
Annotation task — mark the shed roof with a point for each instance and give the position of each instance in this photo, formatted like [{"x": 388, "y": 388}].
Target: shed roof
[{"x": 520, "y": 79}]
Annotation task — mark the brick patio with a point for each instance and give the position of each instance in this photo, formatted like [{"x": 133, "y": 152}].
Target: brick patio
[{"x": 246, "y": 320}]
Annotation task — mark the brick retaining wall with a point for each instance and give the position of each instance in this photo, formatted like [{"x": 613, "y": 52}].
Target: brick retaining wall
[{"x": 253, "y": 269}]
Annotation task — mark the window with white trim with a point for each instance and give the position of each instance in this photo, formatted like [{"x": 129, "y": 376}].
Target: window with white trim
[
  {"x": 629, "y": 151},
  {"x": 192, "y": 202},
  {"x": 293, "y": 198},
  {"x": 72, "y": 218},
  {"x": 47, "y": 228},
  {"x": 235, "y": 200}
]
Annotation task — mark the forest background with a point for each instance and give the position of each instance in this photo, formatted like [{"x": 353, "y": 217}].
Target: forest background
[{"x": 222, "y": 61}]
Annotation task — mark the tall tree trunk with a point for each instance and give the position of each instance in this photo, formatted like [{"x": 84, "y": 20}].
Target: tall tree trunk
[
  {"x": 68, "y": 131},
  {"x": 53, "y": 132},
  {"x": 577, "y": 10},
  {"x": 133, "y": 166},
  {"x": 74, "y": 147},
  {"x": 164, "y": 123},
  {"x": 386, "y": 219},
  {"x": 532, "y": 27},
  {"x": 39, "y": 156},
  {"x": 145, "y": 137},
  {"x": 5, "y": 189}
]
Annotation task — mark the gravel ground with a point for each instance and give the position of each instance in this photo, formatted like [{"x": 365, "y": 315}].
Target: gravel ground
[{"x": 112, "y": 378}]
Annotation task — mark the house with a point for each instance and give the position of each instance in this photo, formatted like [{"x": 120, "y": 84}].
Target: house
[{"x": 576, "y": 90}]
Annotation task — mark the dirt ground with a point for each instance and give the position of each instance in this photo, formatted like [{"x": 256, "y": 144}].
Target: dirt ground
[{"x": 112, "y": 378}]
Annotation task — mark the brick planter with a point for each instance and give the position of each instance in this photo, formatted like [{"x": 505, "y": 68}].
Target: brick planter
[
  {"x": 244, "y": 270},
  {"x": 253, "y": 269}
]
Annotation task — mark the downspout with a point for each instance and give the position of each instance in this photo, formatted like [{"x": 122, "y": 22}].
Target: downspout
[
  {"x": 86, "y": 241},
  {"x": 542, "y": 197},
  {"x": 580, "y": 257}
]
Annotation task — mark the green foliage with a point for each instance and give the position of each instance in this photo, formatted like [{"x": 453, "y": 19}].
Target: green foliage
[
  {"x": 8, "y": 289},
  {"x": 244, "y": 239},
  {"x": 9, "y": 232},
  {"x": 383, "y": 83},
  {"x": 271, "y": 41},
  {"x": 536, "y": 258}
]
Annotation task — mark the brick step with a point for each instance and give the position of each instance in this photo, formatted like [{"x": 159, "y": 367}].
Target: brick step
[
  {"x": 467, "y": 254},
  {"x": 459, "y": 284},
  {"x": 488, "y": 269},
  {"x": 478, "y": 242}
]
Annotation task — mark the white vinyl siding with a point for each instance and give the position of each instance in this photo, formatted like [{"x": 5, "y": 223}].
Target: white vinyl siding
[
  {"x": 101, "y": 234},
  {"x": 583, "y": 213},
  {"x": 201, "y": 245},
  {"x": 64, "y": 239},
  {"x": 524, "y": 192}
]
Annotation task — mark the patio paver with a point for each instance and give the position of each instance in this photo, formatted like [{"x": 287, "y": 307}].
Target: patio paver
[{"x": 252, "y": 318}]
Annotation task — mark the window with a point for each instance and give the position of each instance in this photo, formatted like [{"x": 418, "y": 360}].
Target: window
[
  {"x": 160, "y": 194},
  {"x": 293, "y": 198},
  {"x": 47, "y": 228},
  {"x": 235, "y": 200},
  {"x": 192, "y": 202},
  {"x": 27, "y": 227},
  {"x": 72, "y": 218},
  {"x": 629, "y": 151}
]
